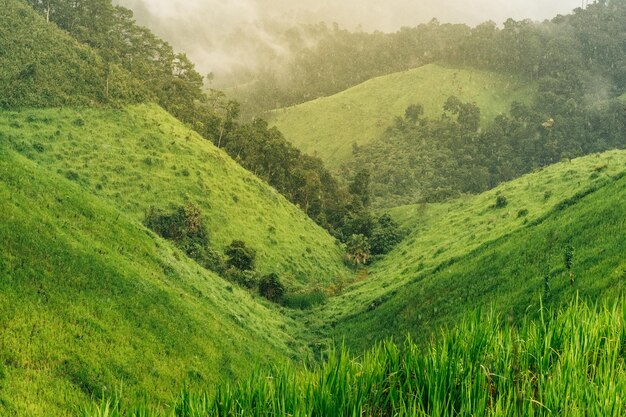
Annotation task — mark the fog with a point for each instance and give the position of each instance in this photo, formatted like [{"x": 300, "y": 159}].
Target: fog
[{"x": 218, "y": 34}]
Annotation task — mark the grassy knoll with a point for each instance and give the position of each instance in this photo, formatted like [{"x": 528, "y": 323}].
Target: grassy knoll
[
  {"x": 568, "y": 363},
  {"x": 329, "y": 126},
  {"x": 90, "y": 300},
  {"x": 141, "y": 157},
  {"x": 470, "y": 253}
]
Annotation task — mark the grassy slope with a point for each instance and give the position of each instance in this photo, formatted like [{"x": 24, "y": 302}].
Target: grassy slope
[
  {"x": 41, "y": 65},
  {"x": 465, "y": 253},
  {"x": 141, "y": 156},
  {"x": 329, "y": 126},
  {"x": 570, "y": 363},
  {"x": 89, "y": 298}
]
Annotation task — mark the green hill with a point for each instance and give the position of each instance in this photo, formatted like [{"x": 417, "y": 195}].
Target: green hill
[
  {"x": 141, "y": 157},
  {"x": 469, "y": 253},
  {"x": 329, "y": 126},
  {"x": 41, "y": 65},
  {"x": 567, "y": 363},
  {"x": 91, "y": 301}
]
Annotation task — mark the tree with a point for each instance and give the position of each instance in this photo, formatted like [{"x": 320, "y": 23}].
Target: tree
[
  {"x": 385, "y": 236},
  {"x": 271, "y": 288},
  {"x": 360, "y": 187},
  {"x": 240, "y": 256},
  {"x": 358, "y": 249},
  {"x": 414, "y": 112}
]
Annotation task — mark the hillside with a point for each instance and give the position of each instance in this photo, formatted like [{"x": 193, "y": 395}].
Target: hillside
[
  {"x": 91, "y": 301},
  {"x": 141, "y": 157},
  {"x": 469, "y": 253},
  {"x": 329, "y": 126},
  {"x": 485, "y": 366},
  {"x": 41, "y": 65}
]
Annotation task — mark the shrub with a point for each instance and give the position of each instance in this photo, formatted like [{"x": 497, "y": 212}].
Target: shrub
[
  {"x": 240, "y": 256},
  {"x": 522, "y": 213},
  {"x": 501, "y": 202},
  {"x": 185, "y": 227},
  {"x": 386, "y": 235},
  {"x": 271, "y": 288},
  {"x": 358, "y": 249},
  {"x": 247, "y": 279}
]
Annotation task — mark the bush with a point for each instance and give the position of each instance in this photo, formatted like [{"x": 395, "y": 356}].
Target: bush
[
  {"x": 501, "y": 202},
  {"x": 240, "y": 256},
  {"x": 247, "y": 279},
  {"x": 358, "y": 249},
  {"x": 185, "y": 227},
  {"x": 271, "y": 288},
  {"x": 386, "y": 235}
]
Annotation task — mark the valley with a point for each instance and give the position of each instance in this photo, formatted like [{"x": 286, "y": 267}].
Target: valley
[{"x": 439, "y": 236}]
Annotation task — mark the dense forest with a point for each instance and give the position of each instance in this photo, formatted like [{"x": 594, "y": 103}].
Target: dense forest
[{"x": 573, "y": 54}]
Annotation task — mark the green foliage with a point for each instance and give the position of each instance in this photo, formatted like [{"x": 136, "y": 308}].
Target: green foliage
[
  {"x": 501, "y": 202},
  {"x": 463, "y": 254},
  {"x": 240, "y": 256},
  {"x": 385, "y": 236},
  {"x": 247, "y": 278},
  {"x": 41, "y": 65},
  {"x": 328, "y": 127},
  {"x": 484, "y": 366},
  {"x": 358, "y": 250},
  {"x": 185, "y": 227},
  {"x": 272, "y": 288}
]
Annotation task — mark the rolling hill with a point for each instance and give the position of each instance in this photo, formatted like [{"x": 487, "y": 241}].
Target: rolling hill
[
  {"x": 468, "y": 253},
  {"x": 141, "y": 157},
  {"x": 91, "y": 301},
  {"x": 328, "y": 127}
]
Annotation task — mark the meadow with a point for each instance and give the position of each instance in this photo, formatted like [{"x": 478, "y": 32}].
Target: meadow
[{"x": 329, "y": 127}]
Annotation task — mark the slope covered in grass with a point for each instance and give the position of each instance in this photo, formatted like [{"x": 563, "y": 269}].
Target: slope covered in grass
[
  {"x": 41, "y": 65},
  {"x": 470, "y": 253},
  {"x": 91, "y": 299},
  {"x": 328, "y": 127},
  {"x": 568, "y": 363},
  {"x": 141, "y": 157}
]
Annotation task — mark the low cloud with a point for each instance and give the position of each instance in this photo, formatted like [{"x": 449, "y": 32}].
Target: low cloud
[{"x": 211, "y": 32}]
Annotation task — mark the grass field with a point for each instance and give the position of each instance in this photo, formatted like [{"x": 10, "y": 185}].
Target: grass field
[
  {"x": 468, "y": 253},
  {"x": 329, "y": 126},
  {"x": 141, "y": 157},
  {"x": 90, "y": 300},
  {"x": 567, "y": 363}
]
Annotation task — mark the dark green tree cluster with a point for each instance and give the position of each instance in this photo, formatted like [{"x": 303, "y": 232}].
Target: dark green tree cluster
[
  {"x": 428, "y": 160},
  {"x": 185, "y": 228}
]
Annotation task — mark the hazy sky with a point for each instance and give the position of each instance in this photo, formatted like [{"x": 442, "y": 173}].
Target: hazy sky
[{"x": 201, "y": 27}]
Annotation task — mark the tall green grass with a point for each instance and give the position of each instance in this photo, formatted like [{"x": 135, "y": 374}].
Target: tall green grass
[{"x": 567, "y": 363}]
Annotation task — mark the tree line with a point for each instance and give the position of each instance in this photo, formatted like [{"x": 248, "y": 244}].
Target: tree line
[{"x": 160, "y": 74}]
